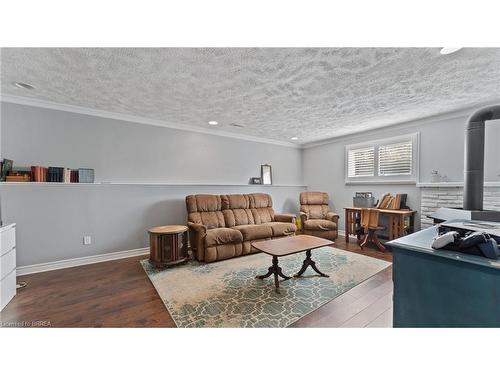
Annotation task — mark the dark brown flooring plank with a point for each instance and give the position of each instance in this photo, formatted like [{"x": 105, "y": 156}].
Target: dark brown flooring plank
[
  {"x": 336, "y": 315},
  {"x": 384, "y": 320},
  {"x": 370, "y": 313},
  {"x": 119, "y": 294}
]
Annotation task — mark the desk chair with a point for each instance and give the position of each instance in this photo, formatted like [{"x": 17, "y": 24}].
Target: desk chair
[{"x": 369, "y": 227}]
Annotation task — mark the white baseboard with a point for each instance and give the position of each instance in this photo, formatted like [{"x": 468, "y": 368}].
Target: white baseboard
[{"x": 67, "y": 263}]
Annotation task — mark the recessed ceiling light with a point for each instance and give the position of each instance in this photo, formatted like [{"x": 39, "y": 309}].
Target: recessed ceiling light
[
  {"x": 294, "y": 138},
  {"x": 449, "y": 50},
  {"x": 23, "y": 85},
  {"x": 213, "y": 122}
]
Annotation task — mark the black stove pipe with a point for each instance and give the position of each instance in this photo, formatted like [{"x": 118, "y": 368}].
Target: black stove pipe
[{"x": 474, "y": 156}]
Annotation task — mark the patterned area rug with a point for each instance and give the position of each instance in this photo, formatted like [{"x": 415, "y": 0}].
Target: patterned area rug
[{"x": 227, "y": 294}]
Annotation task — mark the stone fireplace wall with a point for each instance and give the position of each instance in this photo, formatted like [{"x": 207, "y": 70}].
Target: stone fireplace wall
[{"x": 452, "y": 196}]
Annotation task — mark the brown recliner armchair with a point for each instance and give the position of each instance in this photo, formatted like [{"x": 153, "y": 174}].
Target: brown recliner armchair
[{"x": 317, "y": 220}]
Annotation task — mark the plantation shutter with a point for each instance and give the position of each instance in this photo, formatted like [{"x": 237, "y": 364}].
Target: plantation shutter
[
  {"x": 395, "y": 159},
  {"x": 361, "y": 162}
]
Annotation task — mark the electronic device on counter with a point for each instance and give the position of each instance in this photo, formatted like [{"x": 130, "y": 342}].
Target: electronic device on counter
[{"x": 469, "y": 238}]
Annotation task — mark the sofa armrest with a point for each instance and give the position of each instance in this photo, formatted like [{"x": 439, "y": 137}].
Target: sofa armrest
[
  {"x": 200, "y": 229},
  {"x": 197, "y": 234},
  {"x": 332, "y": 216},
  {"x": 285, "y": 218}
]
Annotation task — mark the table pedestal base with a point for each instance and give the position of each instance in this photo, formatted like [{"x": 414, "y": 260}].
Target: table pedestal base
[
  {"x": 309, "y": 262},
  {"x": 276, "y": 271}
]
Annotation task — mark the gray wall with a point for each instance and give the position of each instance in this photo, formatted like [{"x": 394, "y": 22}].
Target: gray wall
[
  {"x": 441, "y": 148},
  {"x": 52, "y": 220},
  {"x": 125, "y": 151}
]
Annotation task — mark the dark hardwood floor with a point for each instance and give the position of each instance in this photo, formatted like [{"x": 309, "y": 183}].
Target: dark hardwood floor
[{"x": 119, "y": 294}]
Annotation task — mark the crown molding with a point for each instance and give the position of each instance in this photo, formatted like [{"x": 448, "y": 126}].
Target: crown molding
[
  {"x": 40, "y": 103},
  {"x": 34, "y": 102},
  {"x": 459, "y": 113}
]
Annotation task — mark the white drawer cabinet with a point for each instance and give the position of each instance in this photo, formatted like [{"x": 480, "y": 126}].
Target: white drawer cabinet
[{"x": 7, "y": 264}]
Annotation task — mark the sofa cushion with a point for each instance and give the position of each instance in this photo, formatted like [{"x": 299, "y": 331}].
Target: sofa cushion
[
  {"x": 205, "y": 209},
  {"x": 262, "y": 207},
  {"x": 313, "y": 197},
  {"x": 254, "y": 232},
  {"x": 238, "y": 216},
  {"x": 220, "y": 236},
  {"x": 319, "y": 224},
  {"x": 314, "y": 204},
  {"x": 282, "y": 229},
  {"x": 315, "y": 211},
  {"x": 259, "y": 200},
  {"x": 263, "y": 215},
  {"x": 203, "y": 203},
  {"x": 209, "y": 219},
  {"x": 231, "y": 201}
]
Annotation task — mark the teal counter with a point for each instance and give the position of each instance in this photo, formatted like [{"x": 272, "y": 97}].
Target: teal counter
[{"x": 440, "y": 288}]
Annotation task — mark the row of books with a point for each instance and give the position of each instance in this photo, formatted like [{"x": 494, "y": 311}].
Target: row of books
[
  {"x": 390, "y": 202},
  {"x": 61, "y": 174}
]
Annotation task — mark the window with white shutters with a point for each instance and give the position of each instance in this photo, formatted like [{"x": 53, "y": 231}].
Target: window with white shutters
[
  {"x": 395, "y": 159},
  {"x": 361, "y": 162},
  {"x": 383, "y": 161}
]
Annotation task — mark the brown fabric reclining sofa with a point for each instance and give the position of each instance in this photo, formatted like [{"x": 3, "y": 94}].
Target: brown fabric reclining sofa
[{"x": 224, "y": 226}]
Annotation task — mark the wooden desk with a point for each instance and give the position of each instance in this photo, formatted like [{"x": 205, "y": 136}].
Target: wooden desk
[{"x": 396, "y": 225}]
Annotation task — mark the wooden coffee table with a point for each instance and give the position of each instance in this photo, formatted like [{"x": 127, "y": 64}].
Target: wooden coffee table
[{"x": 287, "y": 246}]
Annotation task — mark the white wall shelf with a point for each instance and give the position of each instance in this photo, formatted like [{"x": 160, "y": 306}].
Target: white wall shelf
[
  {"x": 40, "y": 184},
  {"x": 453, "y": 184}
]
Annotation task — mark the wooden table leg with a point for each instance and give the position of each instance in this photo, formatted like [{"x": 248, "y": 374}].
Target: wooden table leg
[
  {"x": 358, "y": 228},
  {"x": 391, "y": 227},
  {"x": 347, "y": 225},
  {"x": 276, "y": 271},
  {"x": 411, "y": 229},
  {"x": 402, "y": 226},
  {"x": 309, "y": 262}
]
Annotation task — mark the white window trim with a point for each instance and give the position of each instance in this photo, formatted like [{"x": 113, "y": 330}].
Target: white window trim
[{"x": 382, "y": 180}]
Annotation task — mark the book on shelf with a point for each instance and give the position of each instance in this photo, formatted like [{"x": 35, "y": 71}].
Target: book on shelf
[
  {"x": 74, "y": 176},
  {"x": 67, "y": 175},
  {"x": 383, "y": 201},
  {"x": 39, "y": 173},
  {"x": 86, "y": 175},
  {"x": 397, "y": 202},
  {"x": 19, "y": 176},
  {"x": 56, "y": 174}
]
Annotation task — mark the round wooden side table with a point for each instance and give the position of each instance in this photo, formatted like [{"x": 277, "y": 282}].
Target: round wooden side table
[{"x": 168, "y": 245}]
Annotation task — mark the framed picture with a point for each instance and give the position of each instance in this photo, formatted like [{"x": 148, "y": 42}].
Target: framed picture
[
  {"x": 266, "y": 174},
  {"x": 256, "y": 181},
  {"x": 363, "y": 195}
]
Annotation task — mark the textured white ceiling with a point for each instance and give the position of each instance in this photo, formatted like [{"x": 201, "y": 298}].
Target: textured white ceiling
[{"x": 311, "y": 93}]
